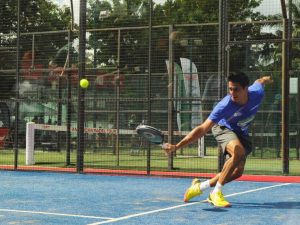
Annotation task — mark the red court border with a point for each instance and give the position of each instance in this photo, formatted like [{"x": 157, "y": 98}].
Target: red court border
[{"x": 246, "y": 177}]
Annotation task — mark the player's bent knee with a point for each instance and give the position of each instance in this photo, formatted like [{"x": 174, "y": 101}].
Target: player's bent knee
[{"x": 235, "y": 149}]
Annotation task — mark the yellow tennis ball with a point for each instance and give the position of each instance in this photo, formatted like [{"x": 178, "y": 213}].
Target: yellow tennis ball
[{"x": 84, "y": 83}]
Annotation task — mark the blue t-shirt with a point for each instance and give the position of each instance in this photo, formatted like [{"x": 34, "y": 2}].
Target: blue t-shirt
[{"x": 238, "y": 117}]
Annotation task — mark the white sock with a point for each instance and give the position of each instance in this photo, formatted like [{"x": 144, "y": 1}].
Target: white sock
[
  {"x": 204, "y": 185},
  {"x": 217, "y": 188}
]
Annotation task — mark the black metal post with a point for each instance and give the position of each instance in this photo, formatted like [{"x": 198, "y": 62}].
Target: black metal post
[
  {"x": 190, "y": 48},
  {"x": 149, "y": 81},
  {"x": 117, "y": 88},
  {"x": 222, "y": 63},
  {"x": 171, "y": 96},
  {"x": 69, "y": 88},
  {"x": 81, "y": 92},
  {"x": 285, "y": 100},
  {"x": 285, "y": 91},
  {"x": 59, "y": 111},
  {"x": 16, "y": 135},
  {"x": 298, "y": 121},
  {"x": 69, "y": 101}
]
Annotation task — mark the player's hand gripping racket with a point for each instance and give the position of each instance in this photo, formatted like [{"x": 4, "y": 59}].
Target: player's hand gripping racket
[{"x": 150, "y": 134}]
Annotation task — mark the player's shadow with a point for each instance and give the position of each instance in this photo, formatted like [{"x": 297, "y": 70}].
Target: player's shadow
[
  {"x": 215, "y": 209},
  {"x": 211, "y": 208},
  {"x": 269, "y": 205}
]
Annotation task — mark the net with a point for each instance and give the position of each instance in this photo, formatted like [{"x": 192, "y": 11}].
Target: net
[{"x": 44, "y": 137}]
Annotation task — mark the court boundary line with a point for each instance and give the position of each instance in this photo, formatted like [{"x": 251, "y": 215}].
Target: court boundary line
[
  {"x": 55, "y": 214},
  {"x": 182, "y": 205}
]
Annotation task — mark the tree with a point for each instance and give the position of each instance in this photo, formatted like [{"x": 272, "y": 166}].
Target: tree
[
  {"x": 35, "y": 16},
  {"x": 135, "y": 13}
]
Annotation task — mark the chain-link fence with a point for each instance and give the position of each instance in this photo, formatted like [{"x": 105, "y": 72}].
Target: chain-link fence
[{"x": 166, "y": 69}]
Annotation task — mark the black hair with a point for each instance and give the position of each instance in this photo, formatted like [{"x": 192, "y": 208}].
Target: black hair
[{"x": 239, "y": 77}]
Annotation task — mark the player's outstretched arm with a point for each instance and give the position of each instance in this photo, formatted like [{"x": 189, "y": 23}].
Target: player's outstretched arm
[
  {"x": 265, "y": 80},
  {"x": 191, "y": 137}
]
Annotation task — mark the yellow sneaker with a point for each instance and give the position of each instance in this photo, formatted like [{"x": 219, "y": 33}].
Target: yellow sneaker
[
  {"x": 193, "y": 190},
  {"x": 218, "y": 200}
]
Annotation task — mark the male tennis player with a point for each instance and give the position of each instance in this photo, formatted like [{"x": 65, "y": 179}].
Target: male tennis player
[{"x": 229, "y": 122}]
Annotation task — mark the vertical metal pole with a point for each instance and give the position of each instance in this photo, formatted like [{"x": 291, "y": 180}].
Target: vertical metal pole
[
  {"x": 69, "y": 88},
  {"x": 16, "y": 139},
  {"x": 59, "y": 110},
  {"x": 298, "y": 121},
  {"x": 226, "y": 50},
  {"x": 69, "y": 103},
  {"x": 95, "y": 116},
  {"x": 285, "y": 99},
  {"x": 72, "y": 14},
  {"x": 117, "y": 84},
  {"x": 1, "y": 13},
  {"x": 222, "y": 51},
  {"x": 170, "y": 96},
  {"x": 149, "y": 80},
  {"x": 285, "y": 91},
  {"x": 222, "y": 63},
  {"x": 32, "y": 52},
  {"x": 220, "y": 48},
  {"x": 190, "y": 47},
  {"x": 220, "y": 71},
  {"x": 81, "y": 74}
]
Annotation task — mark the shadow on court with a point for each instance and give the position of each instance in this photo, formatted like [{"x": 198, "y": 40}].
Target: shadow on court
[
  {"x": 274, "y": 205},
  {"x": 216, "y": 210}
]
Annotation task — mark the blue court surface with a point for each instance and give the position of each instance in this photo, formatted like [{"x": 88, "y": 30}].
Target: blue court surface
[{"x": 62, "y": 198}]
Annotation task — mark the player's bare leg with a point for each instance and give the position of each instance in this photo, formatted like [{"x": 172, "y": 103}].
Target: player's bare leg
[
  {"x": 237, "y": 172},
  {"x": 232, "y": 169},
  {"x": 238, "y": 154}
]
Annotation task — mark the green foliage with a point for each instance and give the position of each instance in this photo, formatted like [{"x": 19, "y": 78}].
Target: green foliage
[
  {"x": 43, "y": 15},
  {"x": 135, "y": 13},
  {"x": 35, "y": 16}
]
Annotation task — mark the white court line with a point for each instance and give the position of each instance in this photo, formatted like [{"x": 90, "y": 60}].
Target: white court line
[
  {"x": 182, "y": 205},
  {"x": 55, "y": 214}
]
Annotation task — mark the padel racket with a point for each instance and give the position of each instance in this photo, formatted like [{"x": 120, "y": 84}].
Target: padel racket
[{"x": 150, "y": 134}]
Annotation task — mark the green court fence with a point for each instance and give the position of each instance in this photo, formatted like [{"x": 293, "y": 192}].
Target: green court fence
[{"x": 161, "y": 63}]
